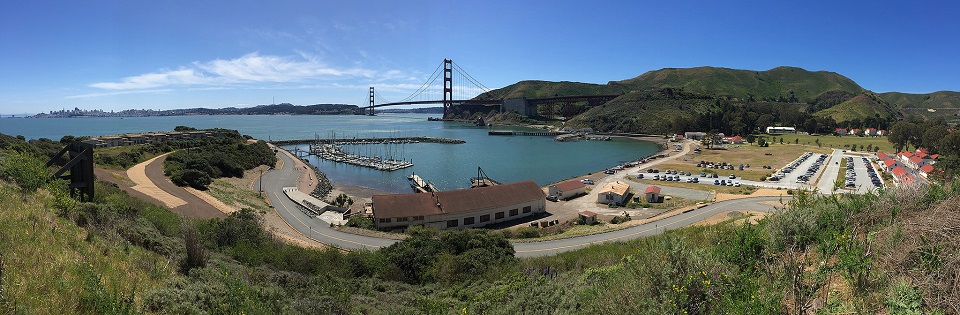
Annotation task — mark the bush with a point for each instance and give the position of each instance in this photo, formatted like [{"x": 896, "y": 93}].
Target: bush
[{"x": 360, "y": 221}]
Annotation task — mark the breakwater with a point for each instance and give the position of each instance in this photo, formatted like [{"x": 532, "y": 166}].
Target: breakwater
[
  {"x": 523, "y": 133},
  {"x": 388, "y": 140}
]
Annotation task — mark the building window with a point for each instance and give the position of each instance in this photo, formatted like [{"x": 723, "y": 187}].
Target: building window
[
  {"x": 403, "y": 219},
  {"x": 514, "y": 212},
  {"x": 526, "y": 209},
  {"x": 452, "y": 223},
  {"x": 418, "y": 218},
  {"x": 387, "y": 220},
  {"x": 468, "y": 221},
  {"x": 484, "y": 218},
  {"x": 499, "y": 215}
]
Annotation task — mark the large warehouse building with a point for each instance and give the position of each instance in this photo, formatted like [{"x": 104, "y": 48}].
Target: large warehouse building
[{"x": 458, "y": 209}]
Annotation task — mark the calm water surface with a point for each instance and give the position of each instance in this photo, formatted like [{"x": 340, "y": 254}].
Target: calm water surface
[{"x": 448, "y": 166}]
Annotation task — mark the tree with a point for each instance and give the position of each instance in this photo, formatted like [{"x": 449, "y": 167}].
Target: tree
[
  {"x": 900, "y": 134},
  {"x": 762, "y": 142},
  {"x": 765, "y": 120},
  {"x": 933, "y": 138},
  {"x": 796, "y": 141},
  {"x": 818, "y": 142}
]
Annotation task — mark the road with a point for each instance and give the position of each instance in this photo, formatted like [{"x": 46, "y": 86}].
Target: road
[
  {"x": 315, "y": 229},
  {"x": 828, "y": 179}
]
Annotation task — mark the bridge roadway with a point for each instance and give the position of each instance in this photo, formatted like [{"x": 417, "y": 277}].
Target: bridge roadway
[{"x": 320, "y": 231}]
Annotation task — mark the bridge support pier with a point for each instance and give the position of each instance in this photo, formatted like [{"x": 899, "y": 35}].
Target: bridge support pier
[
  {"x": 447, "y": 88},
  {"x": 370, "y": 109}
]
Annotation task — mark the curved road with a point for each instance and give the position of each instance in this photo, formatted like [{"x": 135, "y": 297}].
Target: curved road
[{"x": 320, "y": 231}]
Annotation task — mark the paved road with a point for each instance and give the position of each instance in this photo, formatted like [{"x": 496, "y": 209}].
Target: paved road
[
  {"x": 275, "y": 180},
  {"x": 547, "y": 248},
  {"x": 829, "y": 178}
]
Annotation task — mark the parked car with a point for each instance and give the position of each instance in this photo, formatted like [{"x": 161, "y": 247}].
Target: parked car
[
  {"x": 552, "y": 198},
  {"x": 587, "y": 181}
]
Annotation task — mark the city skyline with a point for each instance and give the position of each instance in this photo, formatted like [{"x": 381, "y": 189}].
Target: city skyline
[{"x": 119, "y": 55}]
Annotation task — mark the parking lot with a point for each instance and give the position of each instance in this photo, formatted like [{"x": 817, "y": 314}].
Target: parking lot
[
  {"x": 859, "y": 177},
  {"x": 804, "y": 170}
]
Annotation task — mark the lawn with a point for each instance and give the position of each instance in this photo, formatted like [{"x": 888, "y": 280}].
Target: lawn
[
  {"x": 776, "y": 156},
  {"x": 831, "y": 141},
  {"x": 742, "y": 190}
]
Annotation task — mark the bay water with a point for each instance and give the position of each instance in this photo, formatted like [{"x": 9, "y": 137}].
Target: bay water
[{"x": 449, "y": 166}]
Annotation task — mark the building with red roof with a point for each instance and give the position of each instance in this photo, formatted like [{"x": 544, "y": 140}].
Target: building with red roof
[
  {"x": 567, "y": 189},
  {"x": 457, "y": 209},
  {"x": 882, "y": 156},
  {"x": 926, "y": 170},
  {"x": 889, "y": 164},
  {"x": 899, "y": 172},
  {"x": 587, "y": 216},
  {"x": 652, "y": 194}
]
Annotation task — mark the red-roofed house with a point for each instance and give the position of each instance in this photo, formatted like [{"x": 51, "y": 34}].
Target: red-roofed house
[
  {"x": 922, "y": 155},
  {"x": 909, "y": 179},
  {"x": 840, "y": 131},
  {"x": 855, "y": 131},
  {"x": 588, "y": 217},
  {"x": 926, "y": 170},
  {"x": 567, "y": 189},
  {"x": 733, "y": 140},
  {"x": 934, "y": 156},
  {"x": 882, "y": 156},
  {"x": 882, "y": 132},
  {"x": 652, "y": 194},
  {"x": 899, "y": 172},
  {"x": 457, "y": 209},
  {"x": 915, "y": 162},
  {"x": 870, "y": 131},
  {"x": 904, "y": 156},
  {"x": 889, "y": 164}
]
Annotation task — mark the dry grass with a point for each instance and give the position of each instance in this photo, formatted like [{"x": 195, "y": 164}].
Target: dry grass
[
  {"x": 830, "y": 141},
  {"x": 742, "y": 190},
  {"x": 240, "y": 192},
  {"x": 47, "y": 259},
  {"x": 776, "y": 156},
  {"x": 923, "y": 246}
]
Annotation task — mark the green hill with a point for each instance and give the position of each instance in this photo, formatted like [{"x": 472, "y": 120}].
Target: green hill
[
  {"x": 640, "y": 112},
  {"x": 773, "y": 84},
  {"x": 859, "y": 107},
  {"x": 541, "y": 89},
  {"x": 942, "y": 99}
]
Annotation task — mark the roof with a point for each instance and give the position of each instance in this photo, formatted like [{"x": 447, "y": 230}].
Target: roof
[
  {"x": 926, "y": 168},
  {"x": 934, "y": 156},
  {"x": 587, "y": 213},
  {"x": 455, "y": 201},
  {"x": 570, "y": 185},
  {"x": 653, "y": 189},
  {"x": 916, "y": 160},
  {"x": 906, "y": 154},
  {"x": 881, "y": 156},
  {"x": 899, "y": 172},
  {"x": 889, "y": 162},
  {"x": 921, "y": 154},
  {"x": 616, "y": 188}
]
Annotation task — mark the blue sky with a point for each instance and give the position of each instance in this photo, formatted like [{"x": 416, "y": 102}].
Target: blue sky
[{"x": 116, "y": 55}]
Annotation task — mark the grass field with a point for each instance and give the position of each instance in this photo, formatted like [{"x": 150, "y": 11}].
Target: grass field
[
  {"x": 830, "y": 141},
  {"x": 776, "y": 156},
  {"x": 742, "y": 190}
]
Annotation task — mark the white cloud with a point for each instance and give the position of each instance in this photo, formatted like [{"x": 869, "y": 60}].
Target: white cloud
[
  {"x": 250, "y": 68},
  {"x": 117, "y": 93}
]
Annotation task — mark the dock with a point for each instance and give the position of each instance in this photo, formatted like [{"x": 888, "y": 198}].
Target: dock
[
  {"x": 420, "y": 185},
  {"x": 334, "y": 153},
  {"x": 523, "y": 133},
  {"x": 355, "y": 140}
]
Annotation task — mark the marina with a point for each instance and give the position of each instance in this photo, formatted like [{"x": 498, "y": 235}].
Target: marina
[{"x": 337, "y": 154}]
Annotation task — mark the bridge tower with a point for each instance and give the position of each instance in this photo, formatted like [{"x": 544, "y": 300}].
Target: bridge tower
[
  {"x": 447, "y": 87},
  {"x": 370, "y": 109}
]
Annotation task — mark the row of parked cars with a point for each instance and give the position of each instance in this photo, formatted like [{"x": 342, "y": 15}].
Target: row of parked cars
[
  {"x": 722, "y": 165},
  {"x": 802, "y": 179},
  {"x": 792, "y": 166}
]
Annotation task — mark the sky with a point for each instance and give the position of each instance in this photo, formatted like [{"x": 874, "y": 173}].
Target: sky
[{"x": 137, "y": 54}]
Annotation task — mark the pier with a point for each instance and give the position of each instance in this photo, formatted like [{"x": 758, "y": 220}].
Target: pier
[
  {"x": 387, "y": 140},
  {"x": 523, "y": 133},
  {"x": 334, "y": 153}
]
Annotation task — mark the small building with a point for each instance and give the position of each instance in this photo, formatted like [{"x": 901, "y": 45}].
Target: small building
[
  {"x": 915, "y": 162},
  {"x": 882, "y": 132},
  {"x": 614, "y": 193},
  {"x": 840, "y": 131},
  {"x": 775, "y": 129},
  {"x": 926, "y": 170},
  {"x": 587, "y": 217},
  {"x": 855, "y": 131},
  {"x": 653, "y": 194},
  {"x": 567, "y": 189},
  {"x": 733, "y": 140},
  {"x": 458, "y": 209},
  {"x": 889, "y": 164},
  {"x": 694, "y": 135},
  {"x": 870, "y": 131}
]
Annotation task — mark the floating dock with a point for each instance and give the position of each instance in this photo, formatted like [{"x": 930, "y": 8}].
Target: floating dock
[
  {"x": 335, "y": 153},
  {"x": 390, "y": 140},
  {"x": 523, "y": 133},
  {"x": 420, "y": 185}
]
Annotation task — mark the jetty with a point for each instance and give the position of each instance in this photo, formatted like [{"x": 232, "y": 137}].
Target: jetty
[
  {"x": 523, "y": 133},
  {"x": 334, "y": 153},
  {"x": 420, "y": 185},
  {"x": 366, "y": 140}
]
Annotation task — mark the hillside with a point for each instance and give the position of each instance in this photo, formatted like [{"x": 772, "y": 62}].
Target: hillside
[
  {"x": 942, "y": 99},
  {"x": 858, "y": 108},
  {"x": 540, "y": 89},
  {"x": 773, "y": 84},
  {"x": 639, "y": 112}
]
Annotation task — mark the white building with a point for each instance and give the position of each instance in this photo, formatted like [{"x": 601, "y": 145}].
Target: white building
[
  {"x": 774, "y": 129},
  {"x": 458, "y": 209},
  {"x": 567, "y": 189},
  {"x": 614, "y": 193}
]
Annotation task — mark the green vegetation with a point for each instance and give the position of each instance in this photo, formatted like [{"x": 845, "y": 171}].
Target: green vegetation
[
  {"x": 219, "y": 157},
  {"x": 941, "y": 99},
  {"x": 894, "y": 252},
  {"x": 783, "y": 84},
  {"x": 543, "y": 89},
  {"x": 858, "y": 108},
  {"x": 841, "y": 142}
]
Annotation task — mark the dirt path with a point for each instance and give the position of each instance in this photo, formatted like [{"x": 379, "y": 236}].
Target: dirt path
[{"x": 150, "y": 181}]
